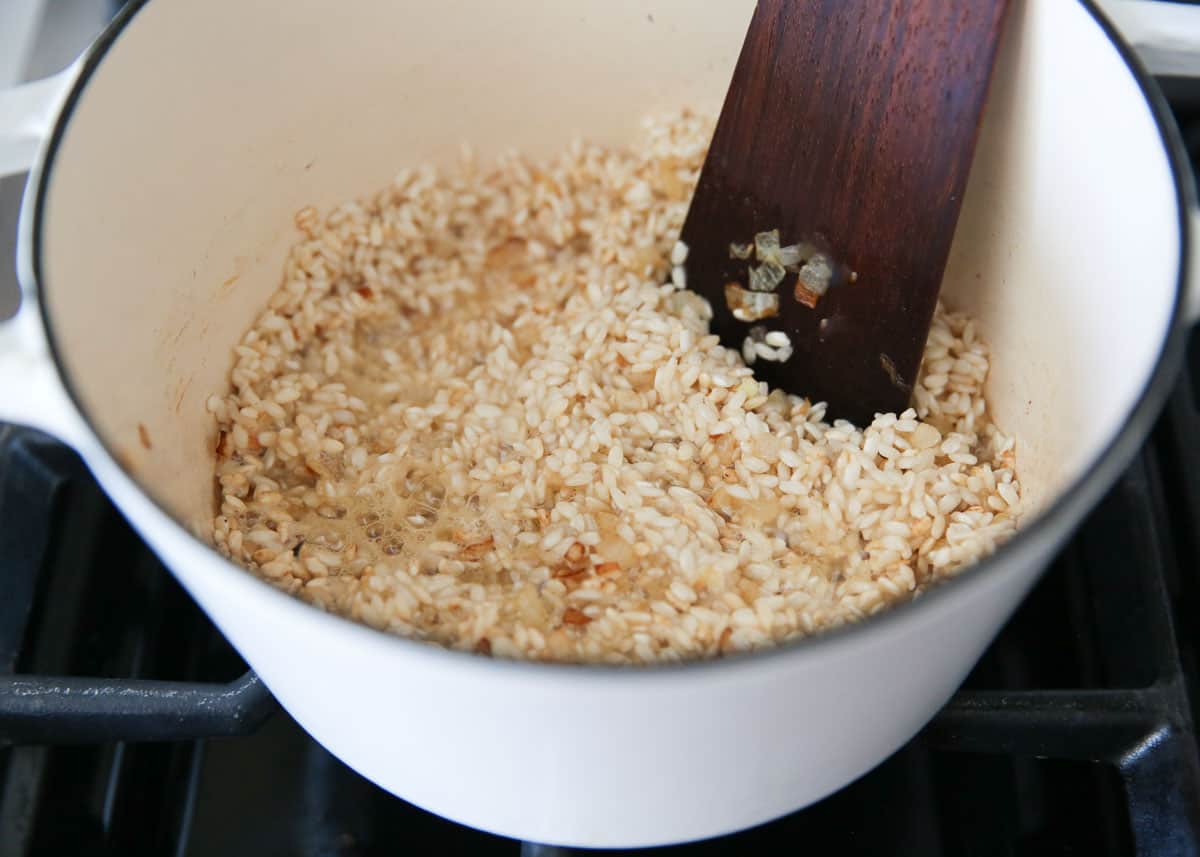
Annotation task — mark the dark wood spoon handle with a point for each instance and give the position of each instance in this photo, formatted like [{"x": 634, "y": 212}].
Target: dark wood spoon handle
[{"x": 852, "y": 121}]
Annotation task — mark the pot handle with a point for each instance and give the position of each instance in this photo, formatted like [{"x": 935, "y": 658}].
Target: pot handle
[
  {"x": 30, "y": 392},
  {"x": 27, "y": 113},
  {"x": 42, "y": 710}
]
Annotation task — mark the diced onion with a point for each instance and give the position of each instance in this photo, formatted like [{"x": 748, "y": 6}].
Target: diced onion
[
  {"x": 817, "y": 274},
  {"x": 750, "y": 306},
  {"x": 774, "y": 272},
  {"x": 795, "y": 255},
  {"x": 765, "y": 277},
  {"x": 766, "y": 245}
]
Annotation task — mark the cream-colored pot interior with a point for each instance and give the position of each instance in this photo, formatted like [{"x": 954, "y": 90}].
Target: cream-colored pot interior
[{"x": 208, "y": 126}]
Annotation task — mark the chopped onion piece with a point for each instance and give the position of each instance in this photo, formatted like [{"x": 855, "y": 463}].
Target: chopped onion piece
[
  {"x": 766, "y": 245},
  {"x": 817, "y": 274},
  {"x": 740, "y": 251},
  {"x": 679, "y": 253},
  {"x": 750, "y": 306},
  {"x": 768, "y": 275},
  {"x": 774, "y": 272},
  {"x": 794, "y": 255}
]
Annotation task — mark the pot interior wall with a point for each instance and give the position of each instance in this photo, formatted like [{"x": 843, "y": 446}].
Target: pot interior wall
[
  {"x": 1068, "y": 247},
  {"x": 208, "y": 126}
]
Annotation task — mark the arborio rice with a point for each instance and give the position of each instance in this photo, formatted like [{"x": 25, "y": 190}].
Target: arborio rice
[{"x": 473, "y": 414}]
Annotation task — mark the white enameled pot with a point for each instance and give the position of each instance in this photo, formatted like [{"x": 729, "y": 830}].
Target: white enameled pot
[{"x": 154, "y": 226}]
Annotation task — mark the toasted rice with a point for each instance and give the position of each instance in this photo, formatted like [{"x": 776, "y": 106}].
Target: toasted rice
[{"x": 473, "y": 414}]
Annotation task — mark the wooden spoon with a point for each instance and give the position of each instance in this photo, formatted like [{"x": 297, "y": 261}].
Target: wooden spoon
[{"x": 849, "y": 127}]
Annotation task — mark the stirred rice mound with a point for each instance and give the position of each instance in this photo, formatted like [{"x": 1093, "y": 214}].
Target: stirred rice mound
[{"x": 474, "y": 414}]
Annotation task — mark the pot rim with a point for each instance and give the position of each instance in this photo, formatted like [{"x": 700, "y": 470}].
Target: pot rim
[{"x": 1063, "y": 513}]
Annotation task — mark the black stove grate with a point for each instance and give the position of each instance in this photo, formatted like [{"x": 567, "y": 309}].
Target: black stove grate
[{"x": 86, "y": 603}]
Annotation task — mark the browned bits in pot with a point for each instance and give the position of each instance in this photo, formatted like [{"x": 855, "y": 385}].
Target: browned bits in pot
[
  {"x": 576, "y": 553},
  {"x": 144, "y": 436},
  {"x": 483, "y": 646},
  {"x": 574, "y": 616},
  {"x": 478, "y": 549},
  {"x": 723, "y": 642},
  {"x": 569, "y": 574}
]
